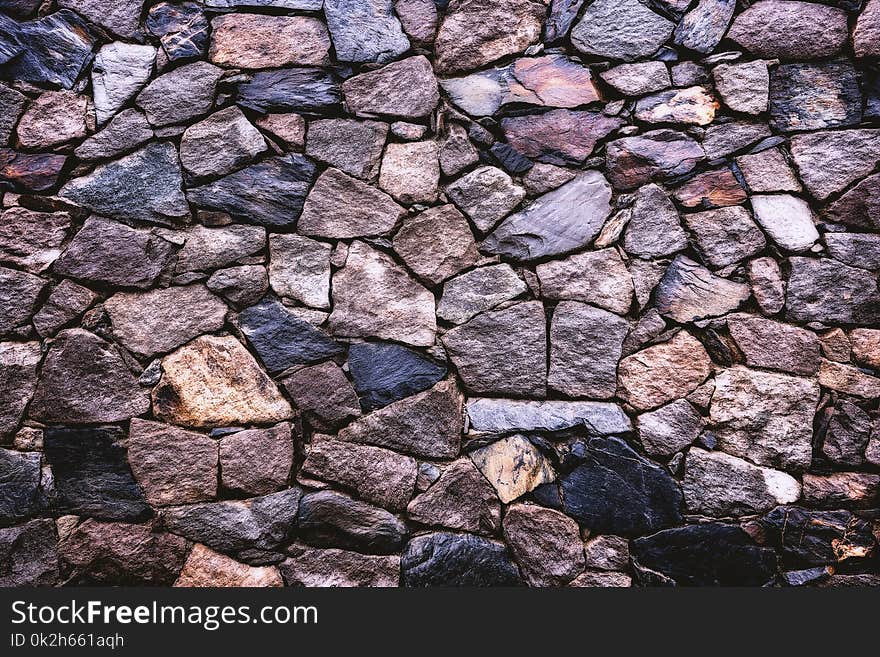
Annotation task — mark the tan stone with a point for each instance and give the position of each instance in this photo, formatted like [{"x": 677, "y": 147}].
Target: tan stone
[
  {"x": 260, "y": 41},
  {"x": 848, "y": 379},
  {"x": 53, "y": 118},
  {"x": 513, "y": 466},
  {"x": 866, "y": 346},
  {"x": 206, "y": 568}
]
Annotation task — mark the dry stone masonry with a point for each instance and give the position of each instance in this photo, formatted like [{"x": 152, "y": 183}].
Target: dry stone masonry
[{"x": 440, "y": 292}]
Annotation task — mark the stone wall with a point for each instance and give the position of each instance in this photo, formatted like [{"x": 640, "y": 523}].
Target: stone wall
[{"x": 480, "y": 292}]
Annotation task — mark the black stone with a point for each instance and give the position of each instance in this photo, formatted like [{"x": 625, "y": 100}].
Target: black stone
[
  {"x": 20, "y": 496},
  {"x": 291, "y": 90},
  {"x": 182, "y": 29},
  {"x": 562, "y": 16},
  {"x": 510, "y": 159},
  {"x": 711, "y": 554},
  {"x": 20, "y": 9},
  {"x": 28, "y": 555},
  {"x": 815, "y": 538},
  {"x": 30, "y": 172},
  {"x": 445, "y": 559},
  {"x": 384, "y": 372},
  {"x": 548, "y": 495},
  {"x": 92, "y": 475},
  {"x": 258, "y": 524},
  {"x": 331, "y": 519},
  {"x": 814, "y": 96},
  {"x": 270, "y": 193},
  {"x": 871, "y": 90},
  {"x": 616, "y": 491},
  {"x": 283, "y": 340},
  {"x": 52, "y": 50}
]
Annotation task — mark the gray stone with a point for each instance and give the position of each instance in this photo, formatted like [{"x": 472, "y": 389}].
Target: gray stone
[
  {"x": 28, "y": 555},
  {"x": 654, "y": 229},
  {"x": 330, "y": 519},
  {"x": 181, "y": 94},
  {"x": 743, "y": 87},
  {"x": 419, "y": 19},
  {"x": 814, "y": 96},
  {"x": 768, "y": 288},
  {"x": 502, "y": 352},
  {"x": 241, "y": 286},
  {"x": 848, "y": 434},
  {"x": 829, "y": 161},
  {"x": 624, "y": 29},
  {"x": 331, "y": 567},
  {"x": 66, "y": 302},
  {"x": 384, "y": 372},
  {"x": 670, "y": 428},
  {"x": 638, "y": 79},
  {"x": 299, "y": 268},
  {"x": 51, "y": 119},
  {"x": 765, "y": 417},
  {"x": 486, "y": 195},
  {"x": 20, "y": 494},
  {"x": 508, "y": 415},
  {"x": 585, "y": 345},
  {"x": 354, "y": 147},
  {"x": 726, "y": 138},
  {"x": 597, "y": 277},
  {"x": 209, "y": 248},
  {"x": 125, "y": 131},
  {"x": 149, "y": 323},
  {"x": 688, "y": 292},
  {"x": 406, "y": 89},
  {"x": 18, "y": 378},
  {"x": 120, "y": 71},
  {"x": 120, "y": 17},
  {"x": 374, "y": 297},
  {"x": 562, "y": 16},
  {"x": 365, "y": 30},
  {"x": 19, "y": 292},
  {"x": 553, "y": 224},
  {"x": 12, "y": 104},
  {"x": 855, "y": 249},
  {"x": 436, "y": 244},
  {"x": 182, "y": 29},
  {"x": 300, "y": 89},
  {"x": 478, "y": 290},
  {"x": 824, "y": 290},
  {"x": 703, "y": 26},
  {"x": 219, "y": 144},
  {"x": 768, "y": 171},
  {"x": 457, "y": 152},
  {"x": 726, "y": 235},
  {"x": 774, "y": 345}
]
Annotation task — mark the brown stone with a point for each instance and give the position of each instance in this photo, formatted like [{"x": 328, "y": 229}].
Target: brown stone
[
  {"x": 546, "y": 544},
  {"x": 768, "y": 287},
  {"x": 559, "y": 136},
  {"x": 597, "y": 277},
  {"x": 53, "y": 118},
  {"x": 857, "y": 490},
  {"x": 206, "y": 568},
  {"x": 309, "y": 566},
  {"x": 257, "y": 461},
  {"x": 289, "y": 128},
  {"x": 260, "y": 41},
  {"x": 712, "y": 189},
  {"x": 634, "y": 161},
  {"x": 849, "y": 380},
  {"x": 323, "y": 394},
  {"x": 172, "y": 465},
  {"x": 663, "y": 372},
  {"x": 411, "y": 172},
  {"x": 866, "y": 346},
  {"x": 866, "y": 36},
  {"x": 436, "y": 244},
  {"x": 405, "y": 89},
  {"x": 768, "y": 171},
  {"x": 726, "y": 235},
  {"x": 774, "y": 345},
  {"x": 35, "y": 172}
]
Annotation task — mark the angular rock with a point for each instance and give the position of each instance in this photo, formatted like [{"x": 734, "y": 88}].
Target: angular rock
[
  {"x": 765, "y": 417},
  {"x": 607, "y": 553},
  {"x": 445, "y": 559},
  {"x": 377, "y": 475},
  {"x": 690, "y": 106},
  {"x": 257, "y": 461},
  {"x": 638, "y": 79},
  {"x": 281, "y": 339},
  {"x": 856, "y": 249},
  {"x": 427, "y": 424},
  {"x": 258, "y": 524},
  {"x": 508, "y": 415},
  {"x": 289, "y": 127},
  {"x": 657, "y": 375},
  {"x": 703, "y": 26},
  {"x": 774, "y": 345},
  {"x": 299, "y": 268},
  {"x": 726, "y": 138},
  {"x": 117, "y": 553},
  {"x": 436, "y": 244},
  {"x": 182, "y": 29},
  {"x": 768, "y": 171},
  {"x": 18, "y": 297},
  {"x": 460, "y": 499},
  {"x": 814, "y": 96},
  {"x": 791, "y": 30},
  {"x": 309, "y": 566},
  {"x": 330, "y": 519},
  {"x": 457, "y": 152},
  {"x": 125, "y": 131},
  {"x": 743, "y": 87},
  {"x": 546, "y": 544},
  {"x": 214, "y": 381},
  {"x": 32, "y": 240},
  {"x": 597, "y": 277},
  {"x": 514, "y": 467},
  {"x": 120, "y": 71},
  {"x": 66, "y": 302},
  {"x": 716, "y": 188},
  {"x": 91, "y": 474},
  {"x": 323, "y": 394},
  {"x": 486, "y": 195},
  {"x": 710, "y": 554},
  {"x": 502, "y": 352},
  {"x": 654, "y": 229},
  {"x": 375, "y": 297},
  {"x": 768, "y": 288},
  {"x": 585, "y": 345},
  {"x": 830, "y": 161},
  {"x": 866, "y": 346},
  {"x": 859, "y": 490},
  {"x": 824, "y": 290},
  {"x": 476, "y": 32},
  {"x": 269, "y": 193},
  {"x": 634, "y": 161},
  {"x": 181, "y": 94},
  {"x": 866, "y": 34},
  {"x": 121, "y": 17},
  {"x": 12, "y": 104},
  {"x": 726, "y": 235},
  {"x": 210, "y": 248},
  {"x": 20, "y": 494},
  {"x": 553, "y": 224},
  {"x": 18, "y": 378},
  {"x": 172, "y": 466},
  {"x": 559, "y": 136},
  {"x": 717, "y": 484},
  {"x": 689, "y": 292},
  {"x": 365, "y": 30},
  {"x": 478, "y": 290},
  {"x": 204, "y": 567},
  {"x": 411, "y": 172},
  {"x": 616, "y": 491},
  {"x": 808, "y": 537},
  {"x": 848, "y": 379},
  {"x": 857, "y": 207},
  {"x": 386, "y": 372},
  {"x": 419, "y": 19},
  {"x": 670, "y": 428},
  {"x": 305, "y": 89},
  {"x": 340, "y": 206},
  {"x": 28, "y": 555},
  {"x": 300, "y": 5},
  {"x": 84, "y": 380},
  {"x": 261, "y": 41},
  {"x": 406, "y": 89},
  {"x": 219, "y": 144},
  {"x": 51, "y": 119},
  {"x": 562, "y": 15},
  {"x": 148, "y": 323},
  {"x": 624, "y": 29},
  {"x": 847, "y": 435},
  {"x": 353, "y": 147}
]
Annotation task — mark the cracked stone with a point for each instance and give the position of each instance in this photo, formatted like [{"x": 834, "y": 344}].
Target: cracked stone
[
  {"x": 460, "y": 499},
  {"x": 654, "y": 155},
  {"x": 514, "y": 467},
  {"x": 486, "y": 195},
  {"x": 829, "y": 161},
  {"x": 478, "y": 290},
  {"x": 29, "y": 555},
  {"x": 688, "y": 292},
  {"x": 704, "y": 26},
  {"x": 596, "y": 277},
  {"x": 182, "y": 29},
  {"x": 559, "y": 136},
  {"x": 353, "y": 147},
  {"x": 814, "y": 96},
  {"x": 219, "y": 144},
  {"x": 299, "y": 268},
  {"x": 384, "y": 372}
]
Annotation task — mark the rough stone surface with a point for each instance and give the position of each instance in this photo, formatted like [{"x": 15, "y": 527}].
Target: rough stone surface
[
  {"x": 120, "y": 71},
  {"x": 260, "y": 41},
  {"x": 461, "y": 498},
  {"x": 625, "y": 30},
  {"x": 653, "y": 229},
  {"x": 331, "y": 567},
  {"x": 353, "y": 147},
  {"x": 689, "y": 292},
  {"x": 323, "y": 394},
  {"x": 181, "y": 94},
  {"x": 53, "y": 118},
  {"x": 219, "y": 144},
  {"x": 29, "y": 555},
  {"x": 451, "y": 246},
  {"x": 654, "y": 155},
  {"x": 774, "y": 345},
  {"x": 406, "y": 89},
  {"x": 670, "y": 428},
  {"x": 509, "y": 415},
  {"x": 257, "y": 461},
  {"x": 545, "y": 543},
  {"x": 411, "y": 172},
  {"x": 726, "y": 235},
  {"x": 478, "y": 290},
  {"x": 444, "y": 559},
  {"x": 558, "y": 136},
  {"x": 365, "y": 30},
  {"x": 330, "y": 519},
  {"x": 486, "y": 195},
  {"x": 206, "y": 568}
]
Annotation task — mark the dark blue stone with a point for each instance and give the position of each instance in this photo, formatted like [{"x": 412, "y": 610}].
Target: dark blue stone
[
  {"x": 446, "y": 559},
  {"x": 291, "y": 90},
  {"x": 283, "y": 340},
  {"x": 20, "y": 496},
  {"x": 384, "y": 372},
  {"x": 91, "y": 473}
]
